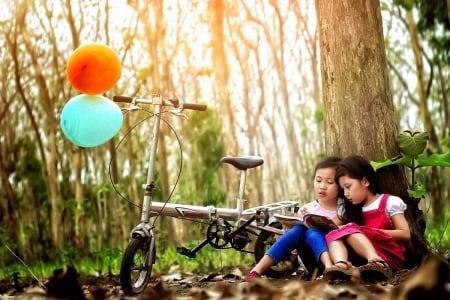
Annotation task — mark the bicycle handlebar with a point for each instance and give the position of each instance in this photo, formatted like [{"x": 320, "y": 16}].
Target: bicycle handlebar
[
  {"x": 124, "y": 99},
  {"x": 194, "y": 106},
  {"x": 158, "y": 100}
]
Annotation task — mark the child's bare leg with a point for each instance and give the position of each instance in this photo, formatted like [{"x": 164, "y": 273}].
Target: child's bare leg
[
  {"x": 338, "y": 252},
  {"x": 362, "y": 246},
  {"x": 265, "y": 263},
  {"x": 325, "y": 259}
]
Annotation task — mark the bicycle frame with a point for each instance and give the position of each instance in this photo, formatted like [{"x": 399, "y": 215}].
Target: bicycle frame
[
  {"x": 256, "y": 217},
  {"x": 220, "y": 232}
]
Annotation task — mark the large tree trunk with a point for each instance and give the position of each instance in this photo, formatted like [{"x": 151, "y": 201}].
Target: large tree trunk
[{"x": 359, "y": 112}]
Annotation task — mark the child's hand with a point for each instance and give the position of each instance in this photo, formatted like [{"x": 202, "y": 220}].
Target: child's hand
[
  {"x": 302, "y": 212},
  {"x": 286, "y": 227}
]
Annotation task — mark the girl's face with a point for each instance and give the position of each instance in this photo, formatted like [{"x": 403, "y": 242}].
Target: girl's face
[
  {"x": 325, "y": 187},
  {"x": 355, "y": 190}
]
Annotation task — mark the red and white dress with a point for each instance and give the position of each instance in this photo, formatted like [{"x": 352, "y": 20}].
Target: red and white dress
[{"x": 378, "y": 216}]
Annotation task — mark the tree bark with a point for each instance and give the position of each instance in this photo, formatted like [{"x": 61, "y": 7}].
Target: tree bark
[
  {"x": 8, "y": 209},
  {"x": 359, "y": 112},
  {"x": 446, "y": 132}
]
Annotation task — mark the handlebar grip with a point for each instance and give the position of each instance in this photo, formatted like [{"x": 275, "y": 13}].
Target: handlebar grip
[
  {"x": 194, "y": 106},
  {"x": 125, "y": 99}
]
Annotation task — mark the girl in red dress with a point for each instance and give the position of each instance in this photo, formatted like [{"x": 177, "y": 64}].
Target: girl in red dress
[{"x": 372, "y": 224}]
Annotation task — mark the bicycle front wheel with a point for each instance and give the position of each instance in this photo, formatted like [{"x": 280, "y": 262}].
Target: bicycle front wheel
[{"x": 137, "y": 263}]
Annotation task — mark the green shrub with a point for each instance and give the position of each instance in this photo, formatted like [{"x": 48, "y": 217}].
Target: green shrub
[
  {"x": 108, "y": 262},
  {"x": 437, "y": 233},
  {"x": 207, "y": 260}
]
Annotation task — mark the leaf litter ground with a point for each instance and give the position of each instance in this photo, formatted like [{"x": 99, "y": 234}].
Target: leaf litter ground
[{"x": 430, "y": 281}]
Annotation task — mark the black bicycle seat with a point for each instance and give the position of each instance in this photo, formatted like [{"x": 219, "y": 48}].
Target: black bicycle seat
[{"x": 243, "y": 162}]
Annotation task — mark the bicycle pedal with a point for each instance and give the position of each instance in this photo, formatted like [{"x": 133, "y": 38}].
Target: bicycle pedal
[{"x": 185, "y": 251}]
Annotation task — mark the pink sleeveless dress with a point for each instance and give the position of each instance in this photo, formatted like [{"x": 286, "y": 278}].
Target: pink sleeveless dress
[{"x": 388, "y": 249}]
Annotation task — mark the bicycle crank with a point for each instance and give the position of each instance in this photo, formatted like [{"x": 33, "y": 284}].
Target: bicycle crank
[{"x": 217, "y": 234}]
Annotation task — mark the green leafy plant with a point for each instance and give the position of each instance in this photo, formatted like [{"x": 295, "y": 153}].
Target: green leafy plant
[
  {"x": 412, "y": 146},
  {"x": 437, "y": 235},
  {"x": 207, "y": 260}
]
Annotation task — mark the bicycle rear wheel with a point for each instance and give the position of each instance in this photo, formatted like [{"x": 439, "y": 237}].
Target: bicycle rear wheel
[
  {"x": 136, "y": 267},
  {"x": 265, "y": 240}
]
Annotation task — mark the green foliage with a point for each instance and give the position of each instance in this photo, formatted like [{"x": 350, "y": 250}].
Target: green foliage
[
  {"x": 207, "y": 260},
  {"x": 27, "y": 178},
  {"x": 412, "y": 146},
  {"x": 433, "y": 24},
  {"x": 201, "y": 186},
  {"x": 69, "y": 255},
  {"x": 319, "y": 115},
  {"x": 437, "y": 233},
  {"x": 27, "y": 170},
  {"x": 105, "y": 261},
  {"x": 5, "y": 256},
  {"x": 108, "y": 262}
]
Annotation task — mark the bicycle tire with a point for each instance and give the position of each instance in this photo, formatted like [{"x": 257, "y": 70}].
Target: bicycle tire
[
  {"x": 138, "y": 258},
  {"x": 264, "y": 241}
]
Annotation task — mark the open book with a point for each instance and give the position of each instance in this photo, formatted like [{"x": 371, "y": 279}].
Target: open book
[{"x": 325, "y": 224}]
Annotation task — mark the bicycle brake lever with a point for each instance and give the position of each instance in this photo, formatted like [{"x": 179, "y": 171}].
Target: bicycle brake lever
[
  {"x": 131, "y": 107},
  {"x": 178, "y": 112}
]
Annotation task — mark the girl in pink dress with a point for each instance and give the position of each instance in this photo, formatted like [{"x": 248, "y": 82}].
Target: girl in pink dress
[
  {"x": 326, "y": 200},
  {"x": 375, "y": 226}
]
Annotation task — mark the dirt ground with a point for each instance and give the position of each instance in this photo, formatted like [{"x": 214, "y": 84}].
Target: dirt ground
[{"x": 430, "y": 281}]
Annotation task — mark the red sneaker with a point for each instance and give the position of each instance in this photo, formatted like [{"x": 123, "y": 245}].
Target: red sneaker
[{"x": 252, "y": 275}]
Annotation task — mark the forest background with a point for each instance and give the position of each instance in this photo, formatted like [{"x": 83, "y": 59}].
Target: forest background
[{"x": 256, "y": 65}]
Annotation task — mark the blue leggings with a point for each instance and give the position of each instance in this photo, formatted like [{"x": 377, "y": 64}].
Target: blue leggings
[{"x": 293, "y": 239}]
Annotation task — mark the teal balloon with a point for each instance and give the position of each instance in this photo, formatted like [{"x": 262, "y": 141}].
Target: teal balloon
[{"x": 90, "y": 121}]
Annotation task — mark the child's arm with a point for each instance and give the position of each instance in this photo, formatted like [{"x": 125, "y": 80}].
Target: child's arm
[
  {"x": 401, "y": 233},
  {"x": 338, "y": 221}
]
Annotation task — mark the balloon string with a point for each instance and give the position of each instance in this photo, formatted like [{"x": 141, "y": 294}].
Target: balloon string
[
  {"x": 28, "y": 268},
  {"x": 172, "y": 129}
]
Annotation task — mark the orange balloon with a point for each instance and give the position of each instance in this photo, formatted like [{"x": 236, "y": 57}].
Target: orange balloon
[{"x": 93, "y": 69}]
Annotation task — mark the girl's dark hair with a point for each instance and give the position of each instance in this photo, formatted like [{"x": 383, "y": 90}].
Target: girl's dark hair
[
  {"x": 330, "y": 162},
  {"x": 327, "y": 162},
  {"x": 357, "y": 167}
]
